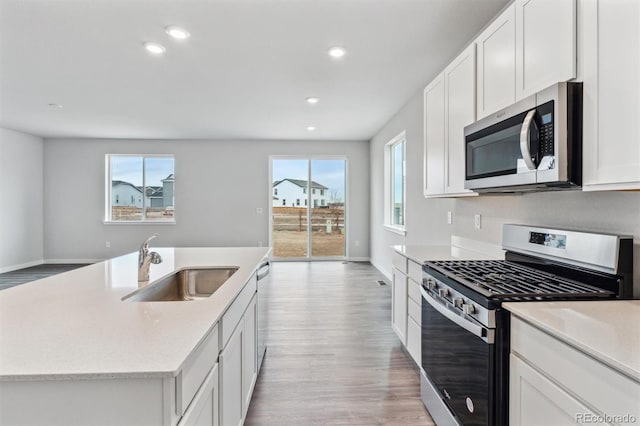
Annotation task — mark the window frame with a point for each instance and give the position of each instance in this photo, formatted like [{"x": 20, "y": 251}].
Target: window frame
[
  {"x": 389, "y": 187},
  {"x": 108, "y": 187}
]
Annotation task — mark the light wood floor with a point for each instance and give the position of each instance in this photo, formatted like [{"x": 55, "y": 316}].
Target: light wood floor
[{"x": 332, "y": 357}]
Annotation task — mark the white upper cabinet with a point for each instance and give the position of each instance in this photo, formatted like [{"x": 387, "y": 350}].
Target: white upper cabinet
[
  {"x": 460, "y": 101},
  {"x": 496, "y": 72},
  {"x": 434, "y": 133},
  {"x": 449, "y": 105},
  {"x": 545, "y": 44},
  {"x": 611, "y": 71},
  {"x": 528, "y": 47}
]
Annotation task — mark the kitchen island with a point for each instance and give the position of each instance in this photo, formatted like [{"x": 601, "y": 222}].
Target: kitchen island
[{"x": 73, "y": 352}]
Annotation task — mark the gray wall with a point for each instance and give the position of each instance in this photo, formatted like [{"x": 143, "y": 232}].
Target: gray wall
[
  {"x": 219, "y": 185},
  {"x": 426, "y": 220},
  {"x": 617, "y": 212},
  {"x": 21, "y": 220}
]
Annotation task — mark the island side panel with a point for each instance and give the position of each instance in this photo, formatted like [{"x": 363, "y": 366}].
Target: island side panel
[{"x": 83, "y": 402}]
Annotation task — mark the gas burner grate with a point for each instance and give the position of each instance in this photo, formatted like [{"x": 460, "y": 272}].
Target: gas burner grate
[{"x": 503, "y": 279}]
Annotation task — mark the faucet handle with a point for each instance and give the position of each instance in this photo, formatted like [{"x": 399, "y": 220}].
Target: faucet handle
[{"x": 155, "y": 257}]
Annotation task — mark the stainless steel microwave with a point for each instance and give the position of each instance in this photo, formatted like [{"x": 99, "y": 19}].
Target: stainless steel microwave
[{"x": 532, "y": 145}]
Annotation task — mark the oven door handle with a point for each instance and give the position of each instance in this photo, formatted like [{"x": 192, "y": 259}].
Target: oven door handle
[
  {"x": 525, "y": 140},
  {"x": 476, "y": 330}
]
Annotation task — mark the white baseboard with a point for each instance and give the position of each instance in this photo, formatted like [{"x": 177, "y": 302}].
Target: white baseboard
[
  {"x": 72, "y": 261},
  {"x": 21, "y": 266},
  {"x": 359, "y": 259},
  {"x": 380, "y": 268}
]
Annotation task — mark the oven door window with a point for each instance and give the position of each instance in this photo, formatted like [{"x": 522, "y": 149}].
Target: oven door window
[
  {"x": 458, "y": 363},
  {"x": 495, "y": 151}
]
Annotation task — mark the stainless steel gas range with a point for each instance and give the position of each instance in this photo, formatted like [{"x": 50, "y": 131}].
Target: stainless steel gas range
[{"x": 465, "y": 332}]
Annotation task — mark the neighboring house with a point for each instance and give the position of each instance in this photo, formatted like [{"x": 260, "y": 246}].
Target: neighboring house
[
  {"x": 125, "y": 194},
  {"x": 293, "y": 193},
  {"x": 128, "y": 195}
]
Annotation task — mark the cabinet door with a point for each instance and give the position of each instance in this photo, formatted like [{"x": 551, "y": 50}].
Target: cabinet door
[
  {"x": 231, "y": 395},
  {"x": 414, "y": 340},
  {"x": 249, "y": 354},
  {"x": 203, "y": 410},
  {"x": 496, "y": 72},
  {"x": 399, "y": 305},
  {"x": 535, "y": 400},
  {"x": 434, "y": 137},
  {"x": 545, "y": 44},
  {"x": 611, "y": 59},
  {"x": 460, "y": 110}
]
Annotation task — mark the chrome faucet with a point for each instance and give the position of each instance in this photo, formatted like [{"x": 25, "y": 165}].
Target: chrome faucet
[{"x": 146, "y": 258}]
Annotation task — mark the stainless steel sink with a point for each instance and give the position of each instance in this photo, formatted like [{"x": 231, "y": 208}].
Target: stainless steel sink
[{"x": 186, "y": 284}]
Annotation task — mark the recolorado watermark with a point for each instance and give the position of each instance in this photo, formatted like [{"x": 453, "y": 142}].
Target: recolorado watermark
[{"x": 605, "y": 418}]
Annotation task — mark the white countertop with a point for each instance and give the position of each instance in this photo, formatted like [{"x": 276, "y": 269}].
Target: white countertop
[
  {"x": 606, "y": 330},
  {"x": 75, "y": 323},
  {"x": 421, "y": 254}
]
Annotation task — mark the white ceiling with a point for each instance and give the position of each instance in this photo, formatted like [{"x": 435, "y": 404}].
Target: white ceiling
[{"x": 244, "y": 73}]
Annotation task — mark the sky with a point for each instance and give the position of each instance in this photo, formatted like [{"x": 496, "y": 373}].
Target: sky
[
  {"x": 129, "y": 169},
  {"x": 330, "y": 173}
]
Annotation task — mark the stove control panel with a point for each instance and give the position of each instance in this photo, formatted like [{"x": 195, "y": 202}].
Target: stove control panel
[{"x": 456, "y": 301}]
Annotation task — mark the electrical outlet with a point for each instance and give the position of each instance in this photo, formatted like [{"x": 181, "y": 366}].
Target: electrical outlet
[
  {"x": 107, "y": 244},
  {"x": 477, "y": 220},
  {"x": 449, "y": 218},
  {"x": 259, "y": 210}
]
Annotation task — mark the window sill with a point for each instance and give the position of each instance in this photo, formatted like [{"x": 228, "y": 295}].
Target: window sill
[
  {"x": 395, "y": 229},
  {"x": 139, "y": 222}
]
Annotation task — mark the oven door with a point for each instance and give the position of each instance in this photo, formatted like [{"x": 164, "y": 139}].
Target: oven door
[{"x": 458, "y": 357}]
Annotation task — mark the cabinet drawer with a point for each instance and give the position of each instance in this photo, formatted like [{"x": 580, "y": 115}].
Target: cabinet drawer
[
  {"x": 415, "y": 311},
  {"x": 414, "y": 292},
  {"x": 195, "y": 370},
  {"x": 232, "y": 317},
  {"x": 399, "y": 262},
  {"x": 415, "y": 271},
  {"x": 596, "y": 384}
]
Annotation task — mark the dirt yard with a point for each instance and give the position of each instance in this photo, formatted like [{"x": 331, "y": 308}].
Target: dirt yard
[{"x": 294, "y": 244}]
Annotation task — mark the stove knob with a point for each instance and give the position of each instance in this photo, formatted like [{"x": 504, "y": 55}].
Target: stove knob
[
  {"x": 468, "y": 309},
  {"x": 431, "y": 285},
  {"x": 443, "y": 292},
  {"x": 458, "y": 302}
]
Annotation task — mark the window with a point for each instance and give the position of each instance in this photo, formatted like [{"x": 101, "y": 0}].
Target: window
[
  {"x": 139, "y": 188},
  {"x": 305, "y": 202},
  {"x": 322, "y": 192},
  {"x": 313, "y": 191},
  {"x": 284, "y": 201},
  {"x": 322, "y": 202},
  {"x": 298, "y": 202},
  {"x": 275, "y": 191},
  {"x": 304, "y": 190},
  {"x": 395, "y": 175}
]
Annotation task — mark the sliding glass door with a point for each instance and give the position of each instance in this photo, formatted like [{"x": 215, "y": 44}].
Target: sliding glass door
[{"x": 308, "y": 207}]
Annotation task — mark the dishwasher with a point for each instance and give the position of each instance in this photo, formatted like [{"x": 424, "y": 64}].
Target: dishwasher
[{"x": 263, "y": 311}]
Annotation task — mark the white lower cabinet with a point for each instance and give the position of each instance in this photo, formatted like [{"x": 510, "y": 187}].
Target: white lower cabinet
[
  {"x": 249, "y": 354},
  {"x": 406, "y": 305},
  {"x": 231, "y": 396},
  {"x": 399, "y": 304},
  {"x": 204, "y": 409},
  {"x": 239, "y": 366},
  {"x": 552, "y": 383}
]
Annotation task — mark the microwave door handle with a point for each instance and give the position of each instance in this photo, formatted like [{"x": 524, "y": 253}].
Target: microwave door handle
[
  {"x": 525, "y": 140},
  {"x": 472, "y": 328}
]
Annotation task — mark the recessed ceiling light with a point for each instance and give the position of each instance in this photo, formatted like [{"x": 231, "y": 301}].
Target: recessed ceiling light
[
  {"x": 311, "y": 128},
  {"x": 177, "y": 33},
  {"x": 312, "y": 100},
  {"x": 54, "y": 105},
  {"x": 154, "y": 48},
  {"x": 337, "y": 52}
]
